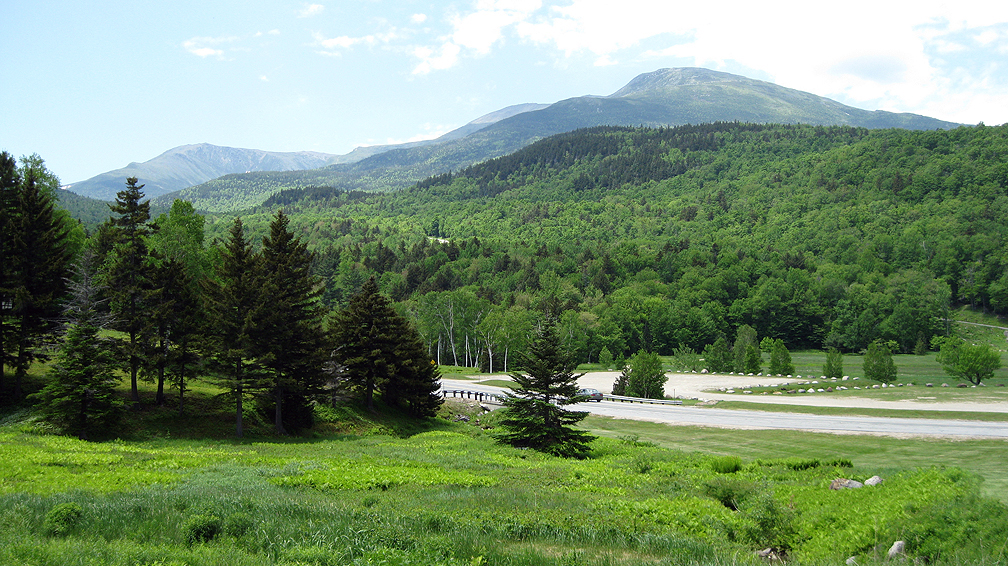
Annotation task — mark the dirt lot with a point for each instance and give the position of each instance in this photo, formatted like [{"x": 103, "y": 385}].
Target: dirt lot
[{"x": 706, "y": 386}]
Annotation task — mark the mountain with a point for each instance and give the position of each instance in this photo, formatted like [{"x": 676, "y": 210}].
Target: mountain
[
  {"x": 666, "y": 97},
  {"x": 189, "y": 165}
]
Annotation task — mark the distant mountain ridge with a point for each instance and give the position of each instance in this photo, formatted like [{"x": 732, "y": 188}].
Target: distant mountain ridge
[
  {"x": 188, "y": 165},
  {"x": 666, "y": 97}
]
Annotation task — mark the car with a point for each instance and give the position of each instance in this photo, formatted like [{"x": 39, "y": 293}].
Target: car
[{"x": 591, "y": 394}]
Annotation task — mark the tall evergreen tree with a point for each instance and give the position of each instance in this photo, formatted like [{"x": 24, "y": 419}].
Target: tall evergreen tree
[
  {"x": 534, "y": 414},
  {"x": 382, "y": 352},
  {"x": 10, "y": 179},
  {"x": 878, "y": 362},
  {"x": 232, "y": 297},
  {"x": 79, "y": 397},
  {"x": 364, "y": 339},
  {"x": 128, "y": 277},
  {"x": 745, "y": 337},
  {"x": 41, "y": 264},
  {"x": 288, "y": 323}
]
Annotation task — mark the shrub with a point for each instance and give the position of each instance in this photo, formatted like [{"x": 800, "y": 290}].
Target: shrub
[
  {"x": 878, "y": 362},
  {"x": 202, "y": 528},
  {"x": 61, "y": 519},
  {"x": 767, "y": 523},
  {"x": 834, "y": 364},
  {"x": 726, "y": 464},
  {"x": 730, "y": 492},
  {"x": 605, "y": 358}
]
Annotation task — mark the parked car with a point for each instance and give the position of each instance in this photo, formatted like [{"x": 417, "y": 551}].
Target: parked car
[{"x": 591, "y": 394}]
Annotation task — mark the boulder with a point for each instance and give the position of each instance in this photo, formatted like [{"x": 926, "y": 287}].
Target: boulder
[
  {"x": 929, "y": 385},
  {"x": 962, "y": 385},
  {"x": 851, "y": 561},
  {"x": 874, "y": 480},
  {"x": 896, "y": 549},
  {"x": 944, "y": 384},
  {"x": 844, "y": 483}
]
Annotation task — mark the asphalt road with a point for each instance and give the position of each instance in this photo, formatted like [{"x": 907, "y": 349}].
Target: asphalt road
[{"x": 746, "y": 419}]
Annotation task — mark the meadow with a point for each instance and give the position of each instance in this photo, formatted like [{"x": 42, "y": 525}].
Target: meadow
[{"x": 443, "y": 492}]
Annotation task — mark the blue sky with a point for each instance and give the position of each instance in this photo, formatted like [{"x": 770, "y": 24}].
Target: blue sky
[{"x": 92, "y": 86}]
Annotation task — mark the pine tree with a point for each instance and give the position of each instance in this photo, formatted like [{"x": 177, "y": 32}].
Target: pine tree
[
  {"x": 231, "y": 299},
  {"x": 80, "y": 395},
  {"x": 364, "y": 338},
  {"x": 128, "y": 277},
  {"x": 40, "y": 265},
  {"x": 288, "y": 325},
  {"x": 745, "y": 337},
  {"x": 9, "y": 181},
  {"x": 534, "y": 414}
]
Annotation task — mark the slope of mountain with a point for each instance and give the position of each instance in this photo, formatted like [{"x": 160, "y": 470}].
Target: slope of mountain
[
  {"x": 366, "y": 151},
  {"x": 666, "y": 97},
  {"x": 188, "y": 165}
]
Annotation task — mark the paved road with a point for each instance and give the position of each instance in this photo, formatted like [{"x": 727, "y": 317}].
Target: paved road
[{"x": 745, "y": 419}]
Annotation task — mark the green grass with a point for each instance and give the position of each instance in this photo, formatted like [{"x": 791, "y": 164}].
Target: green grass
[{"x": 366, "y": 488}]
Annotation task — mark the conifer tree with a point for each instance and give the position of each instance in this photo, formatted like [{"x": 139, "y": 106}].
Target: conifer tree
[
  {"x": 364, "y": 339},
  {"x": 41, "y": 259},
  {"x": 718, "y": 356},
  {"x": 79, "y": 397},
  {"x": 9, "y": 181},
  {"x": 534, "y": 414},
  {"x": 232, "y": 297},
  {"x": 288, "y": 325},
  {"x": 128, "y": 279}
]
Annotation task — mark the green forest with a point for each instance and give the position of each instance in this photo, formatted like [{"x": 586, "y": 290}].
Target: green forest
[{"x": 658, "y": 239}]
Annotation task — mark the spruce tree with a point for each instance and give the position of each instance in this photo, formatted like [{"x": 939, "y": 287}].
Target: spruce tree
[
  {"x": 232, "y": 297},
  {"x": 128, "y": 278},
  {"x": 288, "y": 325},
  {"x": 9, "y": 181},
  {"x": 40, "y": 264},
  {"x": 79, "y": 397},
  {"x": 366, "y": 338},
  {"x": 718, "y": 356},
  {"x": 534, "y": 415}
]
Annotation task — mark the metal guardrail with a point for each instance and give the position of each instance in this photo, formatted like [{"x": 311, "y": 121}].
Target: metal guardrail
[
  {"x": 484, "y": 397},
  {"x": 623, "y": 399}
]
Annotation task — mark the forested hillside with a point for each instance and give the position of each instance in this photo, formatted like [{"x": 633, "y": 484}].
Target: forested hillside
[{"x": 664, "y": 238}]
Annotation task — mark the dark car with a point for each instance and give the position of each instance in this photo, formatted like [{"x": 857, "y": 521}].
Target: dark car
[{"x": 591, "y": 394}]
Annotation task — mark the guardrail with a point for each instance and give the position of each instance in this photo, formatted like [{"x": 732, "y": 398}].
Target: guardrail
[
  {"x": 495, "y": 398},
  {"x": 623, "y": 399}
]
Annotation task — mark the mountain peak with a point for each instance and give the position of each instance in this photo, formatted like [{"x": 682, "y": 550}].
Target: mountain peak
[{"x": 663, "y": 79}]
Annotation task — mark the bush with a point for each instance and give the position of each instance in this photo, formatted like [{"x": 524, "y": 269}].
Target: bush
[
  {"x": 730, "y": 492},
  {"x": 61, "y": 519},
  {"x": 878, "y": 362},
  {"x": 726, "y": 464},
  {"x": 768, "y": 523},
  {"x": 834, "y": 364},
  {"x": 202, "y": 528}
]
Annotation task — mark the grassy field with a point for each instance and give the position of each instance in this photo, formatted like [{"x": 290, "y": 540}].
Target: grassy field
[{"x": 371, "y": 489}]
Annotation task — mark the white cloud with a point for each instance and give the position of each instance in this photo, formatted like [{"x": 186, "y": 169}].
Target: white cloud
[
  {"x": 264, "y": 78},
  {"x": 418, "y": 18},
  {"x": 203, "y": 46},
  {"x": 430, "y": 60},
  {"x": 310, "y": 10}
]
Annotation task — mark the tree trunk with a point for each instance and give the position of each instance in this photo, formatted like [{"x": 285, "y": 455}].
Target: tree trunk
[
  {"x": 238, "y": 417},
  {"x": 278, "y": 415},
  {"x": 134, "y": 367}
]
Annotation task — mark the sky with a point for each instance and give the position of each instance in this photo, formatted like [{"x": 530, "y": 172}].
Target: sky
[{"x": 92, "y": 86}]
